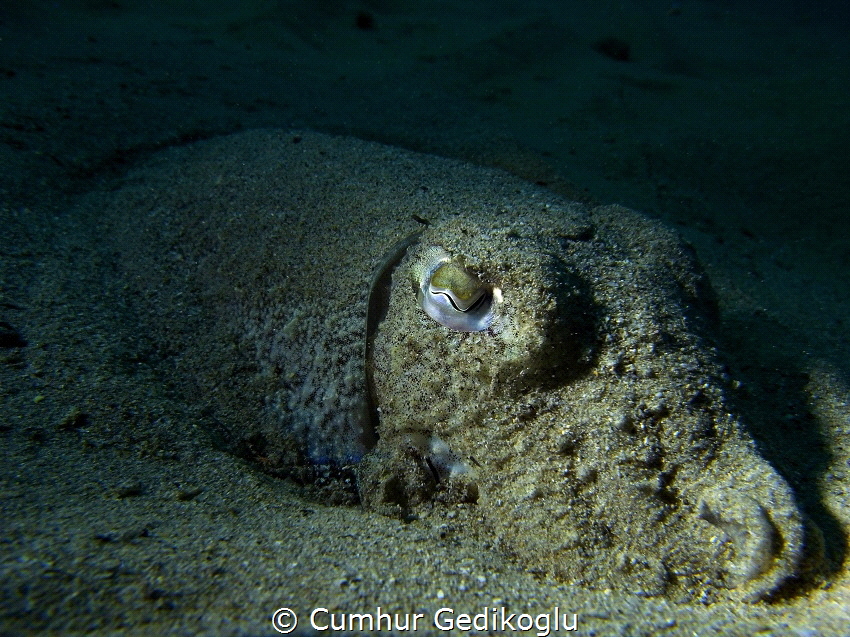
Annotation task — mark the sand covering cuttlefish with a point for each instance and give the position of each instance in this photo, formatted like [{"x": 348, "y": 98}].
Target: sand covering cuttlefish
[{"x": 584, "y": 424}]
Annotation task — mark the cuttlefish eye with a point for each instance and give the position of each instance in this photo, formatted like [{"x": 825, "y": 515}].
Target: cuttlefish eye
[{"x": 452, "y": 295}]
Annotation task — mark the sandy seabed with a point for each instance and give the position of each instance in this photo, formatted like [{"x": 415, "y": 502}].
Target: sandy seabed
[
  {"x": 124, "y": 512},
  {"x": 127, "y": 504}
]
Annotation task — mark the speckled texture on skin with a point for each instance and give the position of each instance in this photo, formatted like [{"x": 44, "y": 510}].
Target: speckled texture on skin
[
  {"x": 590, "y": 418},
  {"x": 281, "y": 247}
]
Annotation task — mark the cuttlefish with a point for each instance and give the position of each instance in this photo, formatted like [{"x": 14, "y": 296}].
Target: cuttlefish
[{"x": 435, "y": 336}]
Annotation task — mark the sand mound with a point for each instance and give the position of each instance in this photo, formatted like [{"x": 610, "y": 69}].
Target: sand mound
[{"x": 585, "y": 428}]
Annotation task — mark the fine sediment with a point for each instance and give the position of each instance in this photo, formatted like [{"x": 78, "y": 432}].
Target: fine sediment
[{"x": 586, "y": 428}]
